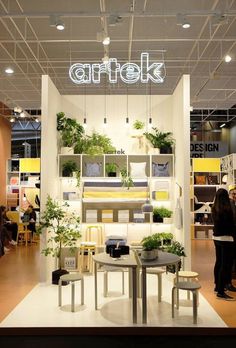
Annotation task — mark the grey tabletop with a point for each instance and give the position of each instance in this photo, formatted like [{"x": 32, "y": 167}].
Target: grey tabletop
[
  {"x": 164, "y": 259},
  {"x": 123, "y": 261}
]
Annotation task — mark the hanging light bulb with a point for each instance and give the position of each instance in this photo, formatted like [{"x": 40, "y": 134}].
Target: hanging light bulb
[
  {"x": 85, "y": 123},
  {"x": 105, "y": 122},
  {"x": 147, "y": 207},
  {"x": 24, "y": 198},
  {"x": 127, "y": 120}
]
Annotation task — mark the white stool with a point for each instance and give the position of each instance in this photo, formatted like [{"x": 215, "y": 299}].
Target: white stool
[
  {"x": 107, "y": 269},
  {"x": 71, "y": 278},
  {"x": 189, "y": 286},
  {"x": 158, "y": 272}
]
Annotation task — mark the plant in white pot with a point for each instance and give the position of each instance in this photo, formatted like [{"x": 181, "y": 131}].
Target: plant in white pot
[
  {"x": 70, "y": 132},
  {"x": 63, "y": 230},
  {"x": 162, "y": 214}
]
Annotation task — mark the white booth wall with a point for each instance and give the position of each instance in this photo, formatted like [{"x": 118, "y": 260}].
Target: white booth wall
[{"x": 168, "y": 113}]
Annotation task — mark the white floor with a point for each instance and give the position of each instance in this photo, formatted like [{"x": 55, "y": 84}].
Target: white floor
[{"x": 40, "y": 307}]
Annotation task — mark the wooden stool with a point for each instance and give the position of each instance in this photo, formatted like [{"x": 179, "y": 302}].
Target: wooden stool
[
  {"x": 187, "y": 276},
  {"x": 189, "y": 286},
  {"x": 71, "y": 278},
  {"x": 107, "y": 269},
  {"x": 158, "y": 272},
  {"x": 86, "y": 249}
]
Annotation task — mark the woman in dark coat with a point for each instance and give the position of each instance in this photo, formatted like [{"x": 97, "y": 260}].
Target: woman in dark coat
[{"x": 224, "y": 237}]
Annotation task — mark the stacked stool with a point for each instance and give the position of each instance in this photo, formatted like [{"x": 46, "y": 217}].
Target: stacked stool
[
  {"x": 189, "y": 286},
  {"x": 188, "y": 276},
  {"x": 72, "y": 278}
]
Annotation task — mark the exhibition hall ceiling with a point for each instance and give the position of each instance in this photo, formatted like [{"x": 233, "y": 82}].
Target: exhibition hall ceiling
[{"x": 31, "y": 44}]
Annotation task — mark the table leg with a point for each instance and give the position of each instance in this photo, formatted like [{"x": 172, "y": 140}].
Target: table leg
[
  {"x": 144, "y": 294},
  {"x": 177, "y": 280},
  {"x": 95, "y": 285},
  {"x": 134, "y": 300}
]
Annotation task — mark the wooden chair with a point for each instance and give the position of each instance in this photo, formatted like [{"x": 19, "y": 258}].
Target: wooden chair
[{"x": 24, "y": 233}]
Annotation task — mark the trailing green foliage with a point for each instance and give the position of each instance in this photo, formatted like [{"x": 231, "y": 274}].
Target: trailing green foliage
[
  {"x": 126, "y": 179},
  {"x": 95, "y": 144},
  {"x": 70, "y": 130}
]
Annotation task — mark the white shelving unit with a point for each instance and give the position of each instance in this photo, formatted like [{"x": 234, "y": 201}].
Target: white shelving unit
[
  {"x": 117, "y": 198},
  {"x": 22, "y": 174}
]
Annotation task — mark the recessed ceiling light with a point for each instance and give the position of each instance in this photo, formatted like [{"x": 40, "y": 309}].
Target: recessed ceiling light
[
  {"x": 9, "y": 70},
  {"x": 12, "y": 119},
  {"x": 37, "y": 119},
  {"x": 60, "y": 25},
  {"x": 106, "y": 41},
  {"x": 22, "y": 114},
  {"x": 186, "y": 25},
  {"x": 228, "y": 58}
]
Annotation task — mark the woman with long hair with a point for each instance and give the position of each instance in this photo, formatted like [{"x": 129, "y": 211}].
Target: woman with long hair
[{"x": 224, "y": 236}]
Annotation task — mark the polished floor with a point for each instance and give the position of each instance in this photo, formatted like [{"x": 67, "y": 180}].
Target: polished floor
[{"x": 25, "y": 303}]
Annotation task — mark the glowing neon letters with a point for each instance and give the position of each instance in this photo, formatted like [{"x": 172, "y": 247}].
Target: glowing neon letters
[{"x": 129, "y": 72}]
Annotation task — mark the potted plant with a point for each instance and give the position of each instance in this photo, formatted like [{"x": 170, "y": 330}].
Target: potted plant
[
  {"x": 162, "y": 142},
  {"x": 166, "y": 238},
  {"x": 161, "y": 213},
  {"x": 68, "y": 168},
  {"x": 111, "y": 169},
  {"x": 63, "y": 230},
  {"x": 150, "y": 246},
  {"x": 70, "y": 131},
  {"x": 126, "y": 179},
  {"x": 175, "y": 248},
  {"x": 138, "y": 127},
  {"x": 95, "y": 144}
]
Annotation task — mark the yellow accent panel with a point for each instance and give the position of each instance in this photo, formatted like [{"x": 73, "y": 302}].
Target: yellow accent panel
[
  {"x": 30, "y": 165},
  {"x": 206, "y": 164},
  {"x": 115, "y": 194},
  {"x": 161, "y": 195}
]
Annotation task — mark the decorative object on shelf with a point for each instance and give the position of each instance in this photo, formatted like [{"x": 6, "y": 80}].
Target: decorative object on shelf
[
  {"x": 138, "y": 169},
  {"x": 178, "y": 215},
  {"x": 93, "y": 169},
  {"x": 63, "y": 230},
  {"x": 138, "y": 216},
  {"x": 200, "y": 179},
  {"x": 160, "y": 140},
  {"x": 111, "y": 169},
  {"x": 126, "y": 179},
  {"x": 150, "y": 246},
  {"x": 175, "y": 248},
  {"x": 68, "y": 168},
  {"x": 159, "y": 213},
  {"x": 160, "y": 169},
  {"x": 95, "y": 144},
  {"x": 77, "y": 175},
  {"x": 70, "y": 131},
  {"x": 212, "y": 180}
]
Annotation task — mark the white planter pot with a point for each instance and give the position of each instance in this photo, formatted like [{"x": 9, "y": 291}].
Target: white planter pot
[
  {"x": 67, "y": 150},
  {"x": 137, "y": 133},
  {"x": 149, "y": 254},
  {"x": 168, "y": 220}
]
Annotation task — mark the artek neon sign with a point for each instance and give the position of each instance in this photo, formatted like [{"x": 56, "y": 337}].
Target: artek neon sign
[{"x": 129, "y": 72}]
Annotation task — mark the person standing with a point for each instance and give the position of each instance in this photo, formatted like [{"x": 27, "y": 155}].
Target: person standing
[
  {"x": 224, "y": 236},
  {"x": 232, "y": 196}
]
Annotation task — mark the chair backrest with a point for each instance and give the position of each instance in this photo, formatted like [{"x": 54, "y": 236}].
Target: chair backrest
[{"x": 14, "y": 216}]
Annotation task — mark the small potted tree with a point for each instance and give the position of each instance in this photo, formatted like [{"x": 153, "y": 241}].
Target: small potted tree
[{"x": 63, "y": 230}]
